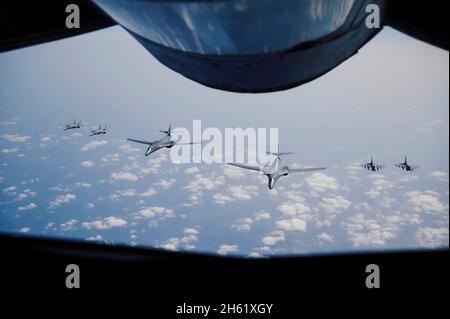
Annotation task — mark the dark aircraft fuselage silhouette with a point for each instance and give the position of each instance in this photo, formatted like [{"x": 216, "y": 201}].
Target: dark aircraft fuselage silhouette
[
  {"x": 406, "y": 167},
  {"x": 371, "y": 166}
]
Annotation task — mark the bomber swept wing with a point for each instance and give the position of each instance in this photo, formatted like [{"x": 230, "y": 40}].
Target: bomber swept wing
[
  {"x": 141, "y": 142},
  {"x": 165, "y": 142},
  {"x": 273, "y": 170}
]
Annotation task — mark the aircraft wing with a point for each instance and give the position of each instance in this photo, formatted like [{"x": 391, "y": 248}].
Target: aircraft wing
[
  {"x": 141, "y": 142},
  {"x": 251, "y": 167},
  {"x": 191, "y": 143},
  {"x": 304, "y": 170}
]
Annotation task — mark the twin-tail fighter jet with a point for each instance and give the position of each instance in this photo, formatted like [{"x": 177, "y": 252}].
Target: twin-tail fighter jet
[
  {"x": 165, "y": 142},
  {"x": 406, "y": 167},
  {"x": 72, "y": 126},
  {"x": 98, "y": 131},
  {"x": 273, "y": 169}
]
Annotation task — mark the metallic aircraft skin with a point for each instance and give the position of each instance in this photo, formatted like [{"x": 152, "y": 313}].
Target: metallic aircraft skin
[
  {"x": 274, "y": 171},
  {"x": 165, "y": 142},
  {"x": 371, "y": 166},
  {"x": 407, "y": 167}
]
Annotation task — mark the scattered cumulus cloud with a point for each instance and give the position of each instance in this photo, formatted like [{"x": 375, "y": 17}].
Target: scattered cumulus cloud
[
  {"x": 87, "y": 164},
  {"x": 441, "y": 176},
  {"x": 429, "y": 237},
  {"x": 123, "y": 176},
  {"x": 334, "y": 204},
  {"x": 364, "y": 232},
  {"x": 325, "y": 237},
  {"x": 10, "y": 190},
  {"x": 105, "y": 223},
  {"x": 8, "y": 150},
  {"x": 192, "y": 170},
  {"x": 261, "y": 215},
  {"x": 243, "y": 192},
  {"x": 68, "y": 225},
  {"x": 126, "y": 148},
  {"x": 154, "y": 211},
  {"x": 321, "y": 182},
  {"x": 222, "y": 199},
  {"x": 166, "y": 183},
  {"x": 242, "y": 225},
  {"x": 95, "y": 238},
  {"x": 294, "y": 209},
  {"x": 427, "y": 201},
  {"x": 227, "y": 249},
  {"x": 187, "y": 241},
  {"x": 16, "y": 138},
  {"x": 201, "y": 182},
  {"x": 233, "y": 172},
  {"x": 273, "y": 238},
  {"x": 149, "y": 192},
  {"x": 293, "y": 224},
  {"x": 62, "y": 199},
  {"x": 27, "y": 207},
  {"x": 93, "y": 145}
]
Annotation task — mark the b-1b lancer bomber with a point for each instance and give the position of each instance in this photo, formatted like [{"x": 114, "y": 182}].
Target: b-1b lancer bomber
[
  {"x": 165, "y": 142},
  {"x": 406, "y": 167},
  {"x": 273, "y": 170},
  {"x": 98, "y": 131},
  {"x": 371, "y": 166},
  {"x": 73, "y": 125}
]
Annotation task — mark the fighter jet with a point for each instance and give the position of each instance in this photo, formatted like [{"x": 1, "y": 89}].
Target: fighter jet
[
  {"x": 371, "y": 166},
  {"x": 273, "y": 170},
  {"x": 165, "y": 142},
  {"x": 406, "y": 167},
  {"x": 73, "y": 125},
  {"x": 98, "y": 131}
]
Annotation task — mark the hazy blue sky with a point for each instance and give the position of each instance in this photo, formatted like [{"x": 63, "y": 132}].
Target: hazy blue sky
[{"x": 390, "y": 100}]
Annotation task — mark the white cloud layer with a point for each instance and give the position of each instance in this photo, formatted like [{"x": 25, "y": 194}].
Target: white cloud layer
[
  {"x": 105, "y": 223},
  {"x": 62, "y": 199},
  {"x": 27, "y": 207},
  {"x": 93, "y": 145},
  {"x": 321, "y": 182},
  {"x": 16, "y": 138},
  {"x": 123, "y": 176},
  {"x": 429, "y": 237},
  {"x": 227, "y": 249}
]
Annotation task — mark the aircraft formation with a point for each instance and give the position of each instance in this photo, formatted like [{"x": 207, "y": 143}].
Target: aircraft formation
[
  {"x": 273, "y": 169},
  {"x": 77, "y": 125},
  {"x": 374, "y": 167}
]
